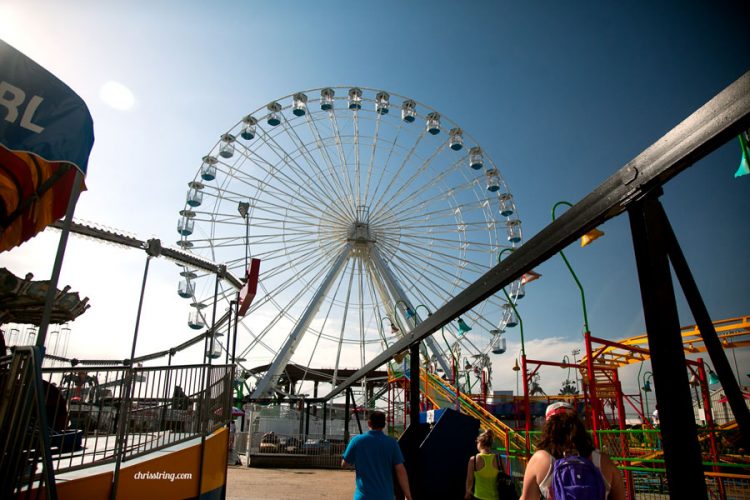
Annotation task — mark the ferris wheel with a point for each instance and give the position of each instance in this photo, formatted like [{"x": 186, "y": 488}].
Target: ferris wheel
[{"x": 368, "y": 211}]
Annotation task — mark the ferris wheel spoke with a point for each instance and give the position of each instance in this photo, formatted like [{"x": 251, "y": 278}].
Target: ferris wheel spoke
[
  {"x": 307, "y": 154},
  {"x": 286, "y": 183},
  {"x": 371, "y": 161},
  {"x": 449, "y": 243},
  {"x": 288, "y": 161},
  {"x": 282, "y": 310},
  {"x": 345, "y": 314},
  {"x": 436, "y": 288},
  {"x": 440, "y": 196},
  {"x": 349, "y": 210},
  {"x": 445, "y": 260},
  {"x": 475, "y": 316},
  {"x": 361, "y": 292},
  {"x": 377, "y": 203},
  {"x": 357, "y": 165},
  {"x": 387, "y": 162},
  {"x": 374, "y": 296},
  {"x": 340, "y": 150},
  {"x": 266, "y": 204},
  {"x": 406, "y": 188},
  {"x": 319, "y": 332},
  {"x": 426, "y": 208}
]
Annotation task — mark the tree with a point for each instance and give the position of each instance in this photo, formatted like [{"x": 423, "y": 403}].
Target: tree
[{"x": 568, "y": 388}]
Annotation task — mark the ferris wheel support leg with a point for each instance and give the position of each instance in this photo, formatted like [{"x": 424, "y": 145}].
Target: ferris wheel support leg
[
  {"x": 286, "y": 351},
  {"x": 395, "y": 289}
]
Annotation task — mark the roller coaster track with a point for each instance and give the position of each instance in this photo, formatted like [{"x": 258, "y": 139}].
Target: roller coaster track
[
  {"x": 733, "y": 333},
  {"x": 154, "y": 249},
  {"x": 120, "y": 238}
]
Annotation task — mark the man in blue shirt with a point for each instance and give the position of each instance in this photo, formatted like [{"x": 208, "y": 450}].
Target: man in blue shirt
[{"x": 376, "y": 457}]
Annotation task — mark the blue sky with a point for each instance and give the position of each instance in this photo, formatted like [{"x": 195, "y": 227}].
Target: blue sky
[{"x": 560, "y": 95}]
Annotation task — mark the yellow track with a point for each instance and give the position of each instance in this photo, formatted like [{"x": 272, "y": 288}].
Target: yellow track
[{"x": 733, "y": 333}]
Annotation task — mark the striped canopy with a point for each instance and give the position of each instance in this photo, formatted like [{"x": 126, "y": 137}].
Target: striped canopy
[{"x": 46, "y": 136}]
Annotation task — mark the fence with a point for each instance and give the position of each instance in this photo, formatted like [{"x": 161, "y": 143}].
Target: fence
[
  {"x": 305, "y": 435},
  {"x": 89, "y": 420},
  {"x": 638, "y": 454},
  {"x": 25, "y": 445}
]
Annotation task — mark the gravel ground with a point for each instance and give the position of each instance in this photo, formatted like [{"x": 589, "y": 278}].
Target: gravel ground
[{"x": 275, "y": 484}]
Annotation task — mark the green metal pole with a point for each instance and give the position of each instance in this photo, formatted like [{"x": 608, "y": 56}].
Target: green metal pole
[{"x": 570, "y": 268}]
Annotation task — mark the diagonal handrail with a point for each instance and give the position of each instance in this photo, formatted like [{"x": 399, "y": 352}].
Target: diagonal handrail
[{"x": 432, "y": 386}]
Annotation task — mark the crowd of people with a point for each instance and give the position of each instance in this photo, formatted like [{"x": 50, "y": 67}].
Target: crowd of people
[{"x": 565, "y": 465}]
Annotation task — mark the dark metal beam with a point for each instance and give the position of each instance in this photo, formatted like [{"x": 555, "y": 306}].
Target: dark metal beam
[
  {"x": 682, "y": 452},
  {"x": 708, "y": 332},
  {"x": 715, "y": 123}
]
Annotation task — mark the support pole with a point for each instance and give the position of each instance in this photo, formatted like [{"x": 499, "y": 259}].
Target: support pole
[
  {"x": 268, "y": 382},
  {"x": 206, "y": 396},
  {"x": 682, "y": 452},
  {"x": 394, "y": 287},
  {"x": 325, "y": 417},
  {"x": 593, "y": 399},
  {"x": 526, "y": 404},
  {"x": 414, "y": 384},
  {"x": 57, "y": 266},
  {"x": 346, "y": 414},
  {"x": 236, "y": 305},
  {"x": 307, "y": 420},
  {"x": 153, "y": 249}
]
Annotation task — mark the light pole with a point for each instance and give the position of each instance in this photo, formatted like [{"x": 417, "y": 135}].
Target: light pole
[
  {"x": 243, "y": 208},
  {"x": 575, "y": 352},
  {"x": 585, "y": 240},
  {"x": 398, "y": 358},
  {"x": 416, "y": 310},
  {"x": 646, "y": 388},
  {"x": 566, "y": 361}
]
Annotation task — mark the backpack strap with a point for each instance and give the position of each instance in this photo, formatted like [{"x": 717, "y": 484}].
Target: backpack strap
[{"x": 596, "y": 458}]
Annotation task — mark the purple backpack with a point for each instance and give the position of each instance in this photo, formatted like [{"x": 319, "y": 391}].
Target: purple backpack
[{"x": 577, "y": 478}]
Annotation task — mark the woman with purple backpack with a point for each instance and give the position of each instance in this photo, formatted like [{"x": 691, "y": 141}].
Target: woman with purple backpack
[{"x": 566, "y": 465}]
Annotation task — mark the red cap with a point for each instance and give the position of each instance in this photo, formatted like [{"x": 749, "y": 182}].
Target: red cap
[{"x": 558, "y": 409}]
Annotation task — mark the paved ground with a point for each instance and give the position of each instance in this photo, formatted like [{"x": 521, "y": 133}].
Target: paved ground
[{"x": 278, "y": 484}]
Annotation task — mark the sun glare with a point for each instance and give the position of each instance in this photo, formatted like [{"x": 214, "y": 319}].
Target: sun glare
[{"x": 117, "y": 96}]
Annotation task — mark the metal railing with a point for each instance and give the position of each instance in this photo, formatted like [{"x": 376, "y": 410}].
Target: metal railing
[
  {"x": 308, "y": 450},
  {"x": 164, "y": 410},
  {"x": 25, "y": 458},
  {"x": 81, "y": 409}
]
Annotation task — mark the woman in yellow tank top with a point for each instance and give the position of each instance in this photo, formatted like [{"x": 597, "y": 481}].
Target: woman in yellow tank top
[{"x": 482, "y": 471}]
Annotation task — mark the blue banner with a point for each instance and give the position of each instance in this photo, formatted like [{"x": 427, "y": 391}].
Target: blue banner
[{"x": 39, "y": 114}]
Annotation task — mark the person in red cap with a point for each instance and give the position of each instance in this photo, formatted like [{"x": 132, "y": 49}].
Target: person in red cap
[{"x": 563, "y": 435}]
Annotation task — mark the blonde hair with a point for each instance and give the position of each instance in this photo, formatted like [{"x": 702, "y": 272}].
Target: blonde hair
[{"x": 485, "y": 439}]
